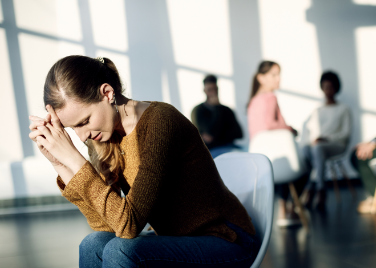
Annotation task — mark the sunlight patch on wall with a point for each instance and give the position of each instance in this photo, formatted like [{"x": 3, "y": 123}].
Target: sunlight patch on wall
[
  {"x": 109, "y": 32},
  {"x": 296, "y": 110},
  {"x": 226, "y": 93},
  {"x": 365, "y": 2},
  {"x": 166, "y": 97},
  {"x": 11, "y": 146},
  {"x": 122, "y": 64},
  {"x": 35, "y": 67},
  {"x": 368, "y": 123},
  {"x": 53, "y": 17},
  {"x": 366, "y": 56},
  {"x": 190, "y": 89},
  {"x": 201, "y": 36},
  {"x": 292, "y": 42}
]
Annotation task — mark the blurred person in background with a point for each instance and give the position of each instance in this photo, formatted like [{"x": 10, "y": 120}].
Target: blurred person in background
[
  {"x": 152, "y": 153},
  {"x": 361, "y": 158},
  {"x": 326, "y": 134},
  {"x": 216, "y": 123},
  {"x": 264, "y": 114}
]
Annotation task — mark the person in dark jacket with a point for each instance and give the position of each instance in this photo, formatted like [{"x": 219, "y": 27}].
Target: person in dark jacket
[{"x": 216, "y": 123}]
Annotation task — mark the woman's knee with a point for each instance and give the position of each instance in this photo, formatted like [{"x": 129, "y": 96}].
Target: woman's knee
[
  {"x": 95, "y": 242},
  {"x": 127, "y": 252}
]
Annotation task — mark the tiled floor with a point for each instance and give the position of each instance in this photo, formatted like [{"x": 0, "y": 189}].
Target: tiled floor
[{"x": 338, "y": 238}]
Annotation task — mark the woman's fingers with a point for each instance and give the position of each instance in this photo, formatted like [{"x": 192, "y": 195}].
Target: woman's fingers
[
  {"x": 33, "y": 126},
  {"x": 33, "y": 135},
  {"x": 37, "y": 121},
  {"x": 46, "y": 132},
  {"x": 48, "y": 118},
  {"x": 41, "y": 142},
  {"x": 35, "y": 118},
  {"x": 54, "y": 119}
]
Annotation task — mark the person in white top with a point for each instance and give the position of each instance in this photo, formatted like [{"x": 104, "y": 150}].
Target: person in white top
[{"x": 326, "y": 134}]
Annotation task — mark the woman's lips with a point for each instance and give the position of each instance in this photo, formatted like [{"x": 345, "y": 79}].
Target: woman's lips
[{"x": 98, "y": 137}]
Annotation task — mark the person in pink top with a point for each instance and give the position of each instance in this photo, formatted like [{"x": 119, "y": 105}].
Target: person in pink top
[
  {"x": 264, "y": 114},
  {"x": 263, "y": 110}
]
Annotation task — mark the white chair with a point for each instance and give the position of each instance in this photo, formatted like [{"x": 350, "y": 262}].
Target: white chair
[
  {"x": 250, "y": 178},
  {"x": 280, "y": 147}
]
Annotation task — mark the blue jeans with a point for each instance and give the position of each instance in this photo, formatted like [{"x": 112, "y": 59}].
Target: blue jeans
[
  {"x": 104, "y": 249},
  {"x": 316, "y": 156}
]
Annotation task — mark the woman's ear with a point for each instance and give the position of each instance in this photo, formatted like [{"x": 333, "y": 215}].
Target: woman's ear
[
  {"x": 107, "y": 92},
  {"x": 260, "y": 78}
]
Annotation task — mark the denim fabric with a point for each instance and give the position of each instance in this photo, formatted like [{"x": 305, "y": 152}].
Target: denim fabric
[
  {"x": 316, "y": 156},
  {"x": 103, "y": 249}
]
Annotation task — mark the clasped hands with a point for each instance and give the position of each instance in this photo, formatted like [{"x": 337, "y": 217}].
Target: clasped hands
[{"x": 55, "y": 144}]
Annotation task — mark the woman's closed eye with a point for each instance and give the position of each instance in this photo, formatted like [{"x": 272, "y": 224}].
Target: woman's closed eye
[{"x": 83, "y": 123}]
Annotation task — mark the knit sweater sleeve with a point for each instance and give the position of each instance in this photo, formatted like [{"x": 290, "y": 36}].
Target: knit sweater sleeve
[
  {"x": 94, "y": 220},
  {"x": 128, "y": 216}
]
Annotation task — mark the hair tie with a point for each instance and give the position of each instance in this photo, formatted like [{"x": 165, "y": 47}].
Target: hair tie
[{"x": 100, "y": 59}]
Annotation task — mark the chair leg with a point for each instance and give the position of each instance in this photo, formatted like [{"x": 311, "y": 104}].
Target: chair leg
[
  {"x": 344, "y": 174},
  {"x": 297, "y": 203},
  {"x": 373, "y": 209},
  {"x": 335, "y": 183}
]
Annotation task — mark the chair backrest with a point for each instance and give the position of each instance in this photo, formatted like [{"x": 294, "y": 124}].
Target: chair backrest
[
  {"x": 250, "y": 178},
  {"x": 280, "y": 147}
]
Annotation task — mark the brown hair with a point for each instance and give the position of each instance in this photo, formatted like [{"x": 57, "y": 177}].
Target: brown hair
[
  {"x": 263, "y": 68},
  {"x": 79, "y": 78}
]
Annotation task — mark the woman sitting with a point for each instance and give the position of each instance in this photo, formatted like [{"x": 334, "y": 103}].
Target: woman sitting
[
  {"x": 264, "y": 114},
  {"x": 152, "y": 153},
  {"x": 326, "y": 135}
]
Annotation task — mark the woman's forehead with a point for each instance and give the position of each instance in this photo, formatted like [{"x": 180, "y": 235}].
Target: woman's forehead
[{"x": 73, "y": 112}]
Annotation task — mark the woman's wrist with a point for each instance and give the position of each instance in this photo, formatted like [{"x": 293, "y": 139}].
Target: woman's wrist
[
  {"x": 75, "y": 163},
  {"x": 64, "y": 172}
]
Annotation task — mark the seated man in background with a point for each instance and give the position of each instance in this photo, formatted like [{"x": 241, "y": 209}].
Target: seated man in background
[
  {"x": 360, "y": 159},
  {"x": 327, "y": 134},
  {"x": 215, "y": 122}
]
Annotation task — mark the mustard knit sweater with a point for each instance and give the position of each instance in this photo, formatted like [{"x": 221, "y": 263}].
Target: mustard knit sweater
[{"x": 171, "y": 182}]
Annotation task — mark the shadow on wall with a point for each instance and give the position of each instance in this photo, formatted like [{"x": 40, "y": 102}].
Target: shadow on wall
[{"x": 246, "y": 53}]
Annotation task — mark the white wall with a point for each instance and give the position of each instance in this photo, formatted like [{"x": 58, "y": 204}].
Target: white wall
[{"x": 164, "y": 48}]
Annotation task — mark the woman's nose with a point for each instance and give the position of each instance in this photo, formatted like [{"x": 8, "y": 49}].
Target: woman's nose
[{"x": 81, "y": 133}]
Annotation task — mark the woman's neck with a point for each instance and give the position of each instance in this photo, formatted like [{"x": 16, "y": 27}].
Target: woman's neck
[
  {"x": 264, "y": 90},
  {"x": 127, "y": 115},
  {"x": 330, "y": 101}
]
